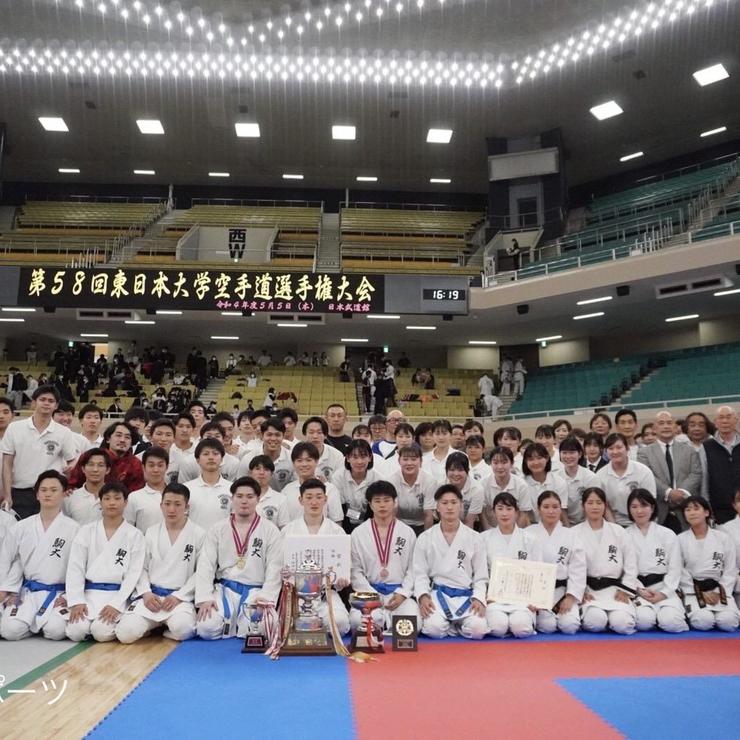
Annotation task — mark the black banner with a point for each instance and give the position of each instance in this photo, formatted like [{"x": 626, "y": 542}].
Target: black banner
[{"x": 206, "y": 289}]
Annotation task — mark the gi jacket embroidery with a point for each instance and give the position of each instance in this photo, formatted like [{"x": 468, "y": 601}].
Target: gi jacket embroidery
[
  {"x": 56, "y": 548},
  {"x": 461, "y": 555}
]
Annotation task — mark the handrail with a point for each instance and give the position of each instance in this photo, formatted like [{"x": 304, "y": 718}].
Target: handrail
[
  {"x": 413, "y": 206},
  {"x": 256, "y": 202}
]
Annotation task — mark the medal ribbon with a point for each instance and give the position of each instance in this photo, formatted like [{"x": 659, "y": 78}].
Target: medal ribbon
[
  {"x": 239, "y": 544},
  {"x": 384, "y": 550}
]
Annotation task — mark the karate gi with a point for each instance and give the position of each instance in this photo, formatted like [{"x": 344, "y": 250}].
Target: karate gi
[
  {"x": 552, "y": 482},
  {"x": 7, "y": 522},
  {"x": 519, "y": 545},
  {"x": 293, "y": 509},
  {"x": 451, "y": 574},
  {"x": 609, "y": 554},
  {"x": 82, "y": 506},
  {"x": 366, "y": 569},
  {"x": 732, "y": 528},
  {"x": 236, "y": 589},
  {"x": 143, "y": 508},
  {"x": 341, "y": 616},
  {"x": 563, "y": 548},
  {"x": 30, "y": 559},
  {"x": 169, "y": 568},
  {"x": 96, "y": 560},
  {"x": 658, "y": 555},
  {"x": 713, "y": 558}
]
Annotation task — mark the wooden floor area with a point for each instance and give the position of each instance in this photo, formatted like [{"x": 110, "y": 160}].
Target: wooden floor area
[{"x": 98, "y": 679}]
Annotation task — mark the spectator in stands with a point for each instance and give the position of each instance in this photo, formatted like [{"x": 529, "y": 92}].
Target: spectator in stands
[
  {"x": 230, "y": 364},
  {"x": 115, "y": 407},
  {"x": 289, "y": 360},
  {"x": 213, "y": 367},
  {"x": 315, "y": 360},
  {"x": 429, "y": 382},
  {"x": 424, "y": 437},
  {"x": 31, "y": 353},
  {"x": 344, "y": 371},
  {"x": 520, "y": 371},
  {"x": 304, "y": 360},
  {"x": 648, "y": 435},
  {"x": 601, "y": 424},
  {"x": 336, "y": 418},
  {"x": 368, "y": 379},
  {"x": 264, "y": 359},
  {"x": 626, "y": 424},
  {"x": 324, "y": 359},
  {"x": 7, "y": 412},
  {"x": 377, "y": 428},
  {"x": 485, "y": 385},
  {"x": 722, "y": 465},
  {"x": 457, "y": 439},
  {"x": 269, "y": 401},
  {"x": 492, "y": 404},
  {"x": 593, "y": 452},
  {"x": 403, "y": 361},
  {"x": 562, "y": 429},
  {"x": 677, "y": 471},
  {"x": 31, "y": 385},
  {"x": 17, "y": 384},
  {"x": 698, "y": 429}
]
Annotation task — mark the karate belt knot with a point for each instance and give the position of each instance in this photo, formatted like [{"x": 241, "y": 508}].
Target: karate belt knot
[
  {"x": 237, "y": 587},
  {"x": 95, "y": 586},
  {"x": 52, "y": 588},
  {"x": 701, "y": 586},
  {"x": 385, "y": 589},
  {"x": 650, "y": 579},
  {"x": 443, "y": 591},
  {"x": 600, "y": 583}
]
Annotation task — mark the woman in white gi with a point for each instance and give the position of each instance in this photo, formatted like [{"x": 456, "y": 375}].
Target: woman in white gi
[
  {"x": 105, "y": 565},
  {"x": 33, "y": 565},
  {"x": 352, "y": 481},
  {"x": 382, "y": 550},
  {"x": 457, "y": 467},
  {"x": 709, "y": 571},
  {"x": 313, "y": 500},
  {"x": 450, "y": 573},
  {"x": 538, "y": 475},
  {"x": 611, "y": 569},
  {"x": 504, "y": 480},
  {"x": 732, "y": 528},
  {"x": 561, "y": 546},
  {"x": 506, "y": 540},
  {"x": 238, "y": 569},
  {"x": 658, "y": 566},
  {"x": 167, "y": 585}
]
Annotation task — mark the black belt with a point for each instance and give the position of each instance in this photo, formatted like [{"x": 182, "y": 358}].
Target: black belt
[
  {"x": 650, "y": 579},
  {"x": 599, "y": 584},
  {"x": 561, "y": 583},
  {"x": 708, "y": 584}
]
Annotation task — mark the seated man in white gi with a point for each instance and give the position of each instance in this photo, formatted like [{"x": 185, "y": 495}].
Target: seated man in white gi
[{"x": 166, "y": 589}]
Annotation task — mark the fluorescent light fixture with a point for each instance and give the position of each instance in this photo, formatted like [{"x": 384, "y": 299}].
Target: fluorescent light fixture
[
  {"x": 53, "y": 124},
  {"x": 344, "y": 133},
  {"x": 164, "y": 312},
  {"x": 292, "y": 325},
  {"x": 713, "y": 131},
  {"x": 219, "y": 174},
  {"x": 366, "y": 178},
  {"x": 231, "y": 313},
  {"x": 247, "y": 130},
  {"x": 606, "y": 110},
  {"x": 217, "y": 336},
  {"x": 12, "y": 321},
  {"x": 383, "y": 316},
  {"x": 288, "y": 176},
  {"x": 683, "y": 318},
  {"x": 151, "y": 126},
  {"x": 139, "y": 322},
  {"x": 712, "y": 74},
  {"x": 17, "y": 309},
  {"x": 634, "y": 155},
  {"x": 732, "y": 291},
  {"x": 588, "y": 301},
  {"x": 422, "y": 328},
  {"x": 94, "y": 336},
  {"x": 549, "y": 339},
  {"x": 481, "y": 341},
  {"x": 439, "y": 135},
  {"x": 588, "y": 315},
  {"x": 144, "y": 172},
  {"x": 440, "y": 180},
  {"x": 68, "y": 171},
  {"x": 350, "y": 339}
]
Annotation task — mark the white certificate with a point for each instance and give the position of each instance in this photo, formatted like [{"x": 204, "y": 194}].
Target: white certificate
[
  {"x": 328, "y": 551},
  {"x": 525, "y": 582}
]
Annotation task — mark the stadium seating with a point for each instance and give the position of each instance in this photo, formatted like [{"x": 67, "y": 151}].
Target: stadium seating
[
  {"x": 725, "y": 222},
  {"x": 437, "y": 402},
  {"x": 71, "y": 217}
]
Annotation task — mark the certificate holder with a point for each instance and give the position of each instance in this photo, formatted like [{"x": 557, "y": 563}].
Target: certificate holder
[{"x": 526, "y": 582}]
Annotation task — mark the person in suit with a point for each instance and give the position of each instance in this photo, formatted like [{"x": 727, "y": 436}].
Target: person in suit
[
  {"x": 593, "y": 452},
  {"x": 677, "y": 470}
]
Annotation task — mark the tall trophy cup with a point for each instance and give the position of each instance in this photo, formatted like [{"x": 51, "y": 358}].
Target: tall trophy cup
[
  {"x": 307, "y": 635},
  {"x": 368, "y": 638}
]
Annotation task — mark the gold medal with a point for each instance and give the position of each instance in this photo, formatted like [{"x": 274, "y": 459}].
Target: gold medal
[{"x": 241, "y": 562}]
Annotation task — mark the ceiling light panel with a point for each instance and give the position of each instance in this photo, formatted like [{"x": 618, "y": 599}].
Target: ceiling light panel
[
  {"x": 53, "y": 124},
  {"x": 247, "y": 130},
  {"x": 150, "y": 126},
  {"x": 634, "y": 155},
  {"x": 606, "y": 110},
  {"x": 343, "y": 133},
  {"x": 710, "y": 75},
  {"x": 713, "y": 131},
  {"x": 439, "y": 136}
]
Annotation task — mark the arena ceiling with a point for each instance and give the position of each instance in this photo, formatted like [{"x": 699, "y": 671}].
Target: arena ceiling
[{"x": 509, "y": 68}]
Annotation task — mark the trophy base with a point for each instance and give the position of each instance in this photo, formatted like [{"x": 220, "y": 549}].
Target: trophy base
[
  {"x": 361, "y": 644},
  {"x": 308, "y": 643},
  {"x": 254, "y": 644}
]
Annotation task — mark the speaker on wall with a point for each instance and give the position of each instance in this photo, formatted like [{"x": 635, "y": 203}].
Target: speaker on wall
[
  {"x": 623, "y": 290},
  {"x": 522, "y": 308}
]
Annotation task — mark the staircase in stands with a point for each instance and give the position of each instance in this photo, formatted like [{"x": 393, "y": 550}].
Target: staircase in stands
[
  {"x": 328, "y": 252},
  {"x": 212, "y": 391},
  {"x": 625, "y": 397}
]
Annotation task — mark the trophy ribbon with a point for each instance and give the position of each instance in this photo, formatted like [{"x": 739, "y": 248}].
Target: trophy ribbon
[
  {"x": 339, "y": 647},
  {"x": 239, "y": 544},
  {"x": 383, "y": 548}
]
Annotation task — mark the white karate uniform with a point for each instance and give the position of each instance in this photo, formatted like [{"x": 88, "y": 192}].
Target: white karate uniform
[
  {"x": 30, "y": 553},
  {"x": 366, "y": 569},
  {"x": 618, "y": 488},
  {"x": 167, "y": 565},
  {"x": 293, "y": 509},
  {"x": 270, "y": 504},
  {"x": 472, "y": 502},
  {"x": 552, "y": 482},
  {"x": 657, "y": 552},
  {"x": 189, "y": 469},
  {"x": 284, "y": 471},
  {"x": 460, "y": 565},
  {"x": 732, "y": 528},
  {"x": 713, "y": 557},
  {"x": 563, "y": 548},
  {"x": 519, "y": 545},
  {"x": 7, "y": 521},
  {"x": 575, "y": 487},
  {"x": 82, "y": 506},
  {"x": 95, "y": 558},
  {"x": 352, "y": 494},
  {"x": 411, "y": 497},
  {"x": 143, "y": 508},
  {"x": 209, "y": 504},
  {"x": 260, "y": 577},
  {"x": 609, "y": 554},
  {"x": 516, "y": 486},
  {"x": 341, "y": 616}
]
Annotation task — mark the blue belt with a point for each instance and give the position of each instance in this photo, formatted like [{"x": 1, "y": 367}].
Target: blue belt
[
  {"x": 52, "y": 588},
  {"x": 242, "y": 589},
  {"x": 385, "y": 589},
  {"x": 93, "y": 586},
  {"x": 443, "y": 591},
  {"x": 161, "y": 591}
]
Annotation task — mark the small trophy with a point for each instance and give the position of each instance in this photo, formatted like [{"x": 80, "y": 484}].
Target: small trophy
[
  {"x": 254, "y": 640},
  {"x": 367, "y": 638},
  {"x": 405, "y": 632}
]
